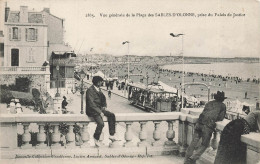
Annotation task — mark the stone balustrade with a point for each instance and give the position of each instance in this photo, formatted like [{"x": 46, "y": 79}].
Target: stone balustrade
[
  {"x": 25, "y": 70},
  {"x": 176, "y": 142},
  {"x": 11, "y": 149}
]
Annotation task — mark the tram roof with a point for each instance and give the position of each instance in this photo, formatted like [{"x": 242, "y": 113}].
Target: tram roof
[{"x": 144, "y": 87}]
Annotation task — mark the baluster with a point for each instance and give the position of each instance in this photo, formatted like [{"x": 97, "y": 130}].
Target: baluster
[
  {"x": 142, "y": 135},
  {"x": 128, "y": 135},
  {"x": 183, "y": 130},
  {"x": 26, "y": 137},
  {"x": 41, "y": 137},
  {"x": 156, "y": 134},
  {"x": 70, "y": 136},
  {"x": 101, "y": 139},
  {"x": 214, "y": 143},
  {"x": 114, "y": 144},
  {"x": 56, "y": 136},
  {"x": 85, "y": 135},
  {"x": 170, "y": 134}
]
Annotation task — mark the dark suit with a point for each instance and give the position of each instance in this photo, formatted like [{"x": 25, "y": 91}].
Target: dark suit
[{"x": 95, "y": 101}]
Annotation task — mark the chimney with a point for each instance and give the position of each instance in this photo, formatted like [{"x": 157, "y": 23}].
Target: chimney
[
  {"x": 7, "y": 10},
  {"x": 47, "y": 10},
  {"x": 24, "y": 14}
]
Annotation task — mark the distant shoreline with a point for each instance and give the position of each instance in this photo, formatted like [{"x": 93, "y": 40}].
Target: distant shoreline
[{"x": 192, "y": 62}]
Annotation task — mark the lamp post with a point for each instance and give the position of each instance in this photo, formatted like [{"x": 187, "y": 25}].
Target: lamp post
[
  {"x": 182, "y": 86},
  {"x": 127, "y": 57},
  {"x": 91, "y": 62},
  {"x": 82, "y": 76},
  {"x": 57, "y": 93},
  {"x": 147, "y": 77}
]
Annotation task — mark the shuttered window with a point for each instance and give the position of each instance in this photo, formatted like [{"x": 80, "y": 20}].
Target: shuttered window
[
  {"x": 31, "y": 34},
  {"x": 14, "y": 33}
]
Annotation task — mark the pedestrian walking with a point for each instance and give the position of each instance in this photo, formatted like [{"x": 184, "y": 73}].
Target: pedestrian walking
[
  {"x": 64, "y": 105},
  {"x": 109, "y": 93},
  {"x": 214, "y": 111},
  {"x": 96, "y": 107}
]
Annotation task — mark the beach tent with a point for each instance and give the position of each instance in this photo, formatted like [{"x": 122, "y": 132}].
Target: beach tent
[
  {"x": 167, "y": 88},
  {"x": 190, "y": 99}
]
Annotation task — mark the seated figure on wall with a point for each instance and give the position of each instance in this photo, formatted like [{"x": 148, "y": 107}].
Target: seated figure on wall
[{"x": 38, "y": 101}]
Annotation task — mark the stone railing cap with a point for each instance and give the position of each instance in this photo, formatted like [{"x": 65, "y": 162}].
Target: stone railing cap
[{"x": 252, "y": 139}]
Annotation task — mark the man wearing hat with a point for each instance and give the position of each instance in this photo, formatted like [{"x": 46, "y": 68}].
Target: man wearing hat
[
  {"x": 96, "y": 107},
  {"x": 214, "y": 111}
]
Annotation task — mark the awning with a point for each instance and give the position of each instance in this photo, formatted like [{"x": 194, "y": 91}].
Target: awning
[{"x": 62, "y": 54}]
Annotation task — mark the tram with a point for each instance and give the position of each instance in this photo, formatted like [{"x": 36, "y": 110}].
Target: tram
[{"x": 152, "y": 99}]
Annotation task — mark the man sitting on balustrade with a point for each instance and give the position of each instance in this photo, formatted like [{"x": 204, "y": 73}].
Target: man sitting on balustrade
[
  {"x": 214, "y": 111},
  {"x": 96, "y": 107}
]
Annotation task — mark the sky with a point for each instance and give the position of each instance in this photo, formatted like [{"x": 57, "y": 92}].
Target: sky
[{"x": 204, "y": 36}]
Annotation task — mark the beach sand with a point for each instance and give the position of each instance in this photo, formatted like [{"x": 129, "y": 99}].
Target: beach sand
[{"x": 233, "y": 90}]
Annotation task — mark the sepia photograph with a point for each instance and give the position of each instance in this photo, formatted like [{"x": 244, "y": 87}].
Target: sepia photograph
[{"x": 130, "y": 81}]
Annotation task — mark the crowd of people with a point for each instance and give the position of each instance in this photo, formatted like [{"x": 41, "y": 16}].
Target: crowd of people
[{"x": 235, "y": 87}]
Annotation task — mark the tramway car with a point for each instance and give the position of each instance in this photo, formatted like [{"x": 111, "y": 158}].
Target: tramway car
[{"x": 152, "y": 99}]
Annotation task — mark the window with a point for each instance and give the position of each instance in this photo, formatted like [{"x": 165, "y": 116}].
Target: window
[
  {"x": 31, "y": 34},
  {"x": 14, "y": 33}
]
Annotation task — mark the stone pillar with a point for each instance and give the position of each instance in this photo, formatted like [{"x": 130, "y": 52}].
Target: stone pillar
[
  {"x": 114, "y": 144},
  {"x": 57, "y": 104},
  {"x": 8, "y": 138},
  {"x": 70, "y": 136},
  {"x": 128, "y": 135},
  {"x": 26, "y": 137},
  {"x": 156, "y": 134},
  {"x": 85, "y": 135},
  {"x": 142, "y": 135},
  {"x": 170, "y": 135},
  {"x": 55, "y": 136},
  {"x": 47, "y": 79},
  {"x": 214, "y": 142},
  {"x": 101, "y": 139},
  {"x": 41, "y": 137}
]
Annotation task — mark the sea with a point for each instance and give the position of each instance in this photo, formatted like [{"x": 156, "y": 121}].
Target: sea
[{"x": 241, "y": 70}]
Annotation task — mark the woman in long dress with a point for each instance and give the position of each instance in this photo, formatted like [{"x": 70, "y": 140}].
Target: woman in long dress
[{"x": 231, "y": 150}]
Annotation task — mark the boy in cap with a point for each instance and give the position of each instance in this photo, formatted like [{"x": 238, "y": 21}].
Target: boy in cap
[
  {"x": 214, "y": 111},
  {"x": 96, "y": 107}
]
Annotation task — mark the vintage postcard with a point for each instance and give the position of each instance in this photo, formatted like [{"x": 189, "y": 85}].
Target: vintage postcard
[{"x": 130, "y": 81}]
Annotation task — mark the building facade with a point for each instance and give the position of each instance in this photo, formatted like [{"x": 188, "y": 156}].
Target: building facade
[
  {"x": 59, "y": 55},
  {"x": 33, "y": 41},
  {"x": 25, "y": 42}
]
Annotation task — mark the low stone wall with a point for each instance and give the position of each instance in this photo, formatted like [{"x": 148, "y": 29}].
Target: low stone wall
[{"x": 39, "y": 81}]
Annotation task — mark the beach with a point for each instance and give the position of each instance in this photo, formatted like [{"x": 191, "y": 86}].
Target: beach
[{"x": 242, "y": 88}]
